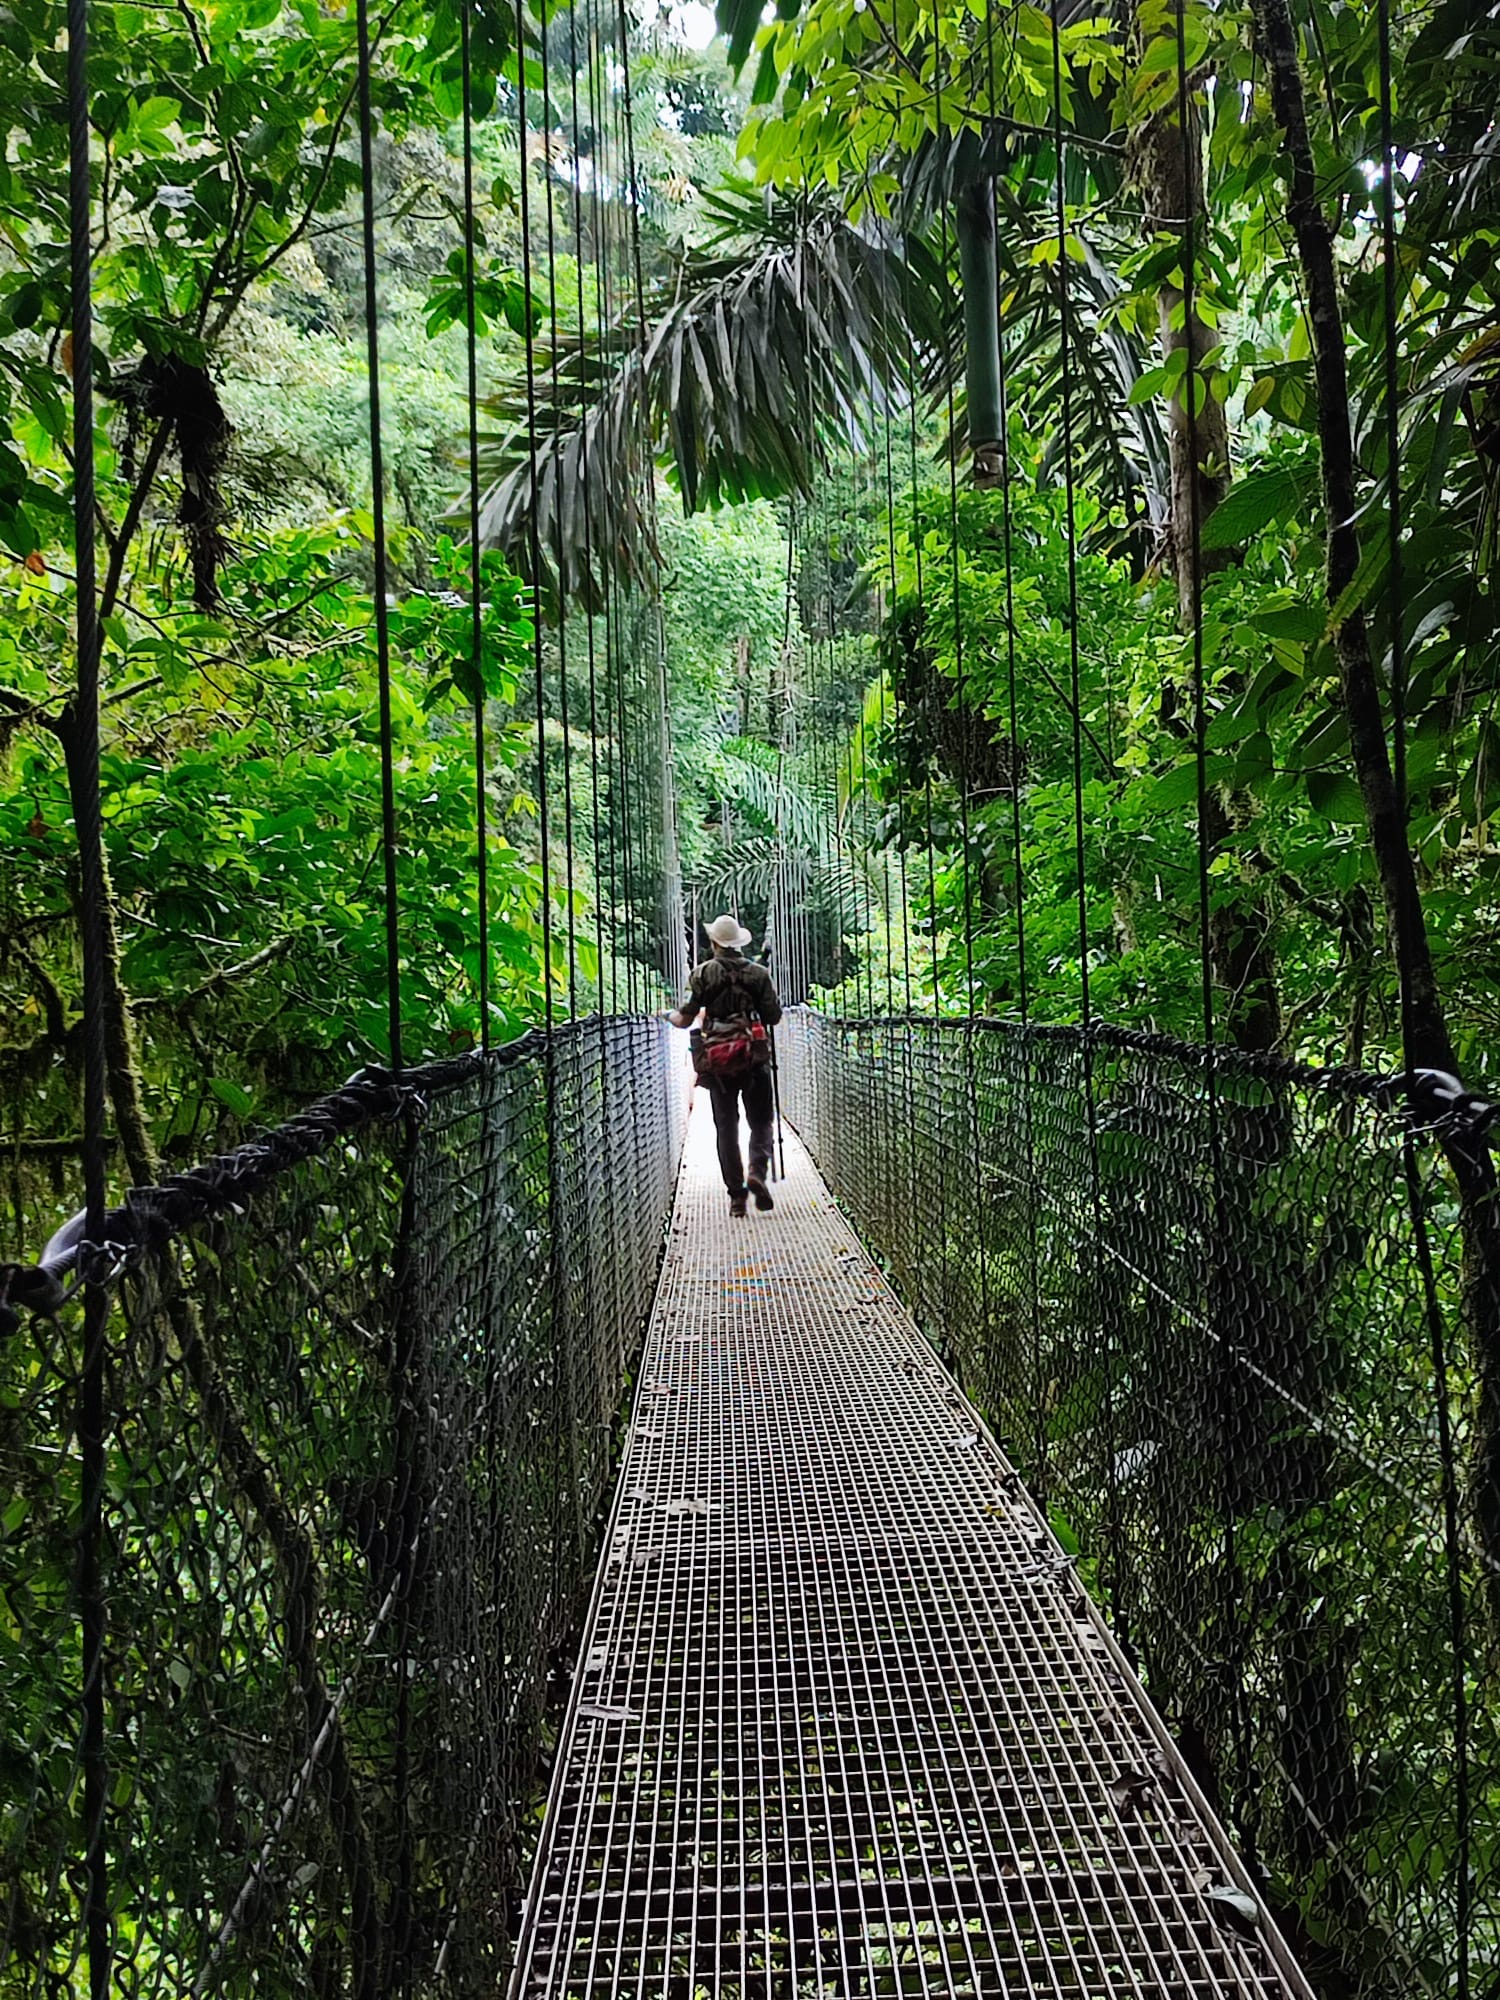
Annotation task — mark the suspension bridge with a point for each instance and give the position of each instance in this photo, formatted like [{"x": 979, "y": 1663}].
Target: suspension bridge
[
  {"x": 844, "y": 1716},
  {"x": 1054, "y": 1553},
  {"x": 844, "y": 1719}
]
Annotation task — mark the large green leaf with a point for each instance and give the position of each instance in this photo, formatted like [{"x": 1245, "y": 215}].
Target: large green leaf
[
  {"x": 754, "y": 368},
  {"x": 1277, "y": 494}
]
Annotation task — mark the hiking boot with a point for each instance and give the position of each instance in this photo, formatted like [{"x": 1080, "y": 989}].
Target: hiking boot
[
  {"x": 737, "y": 1203},
  {"x": 757, "y": 1186}
]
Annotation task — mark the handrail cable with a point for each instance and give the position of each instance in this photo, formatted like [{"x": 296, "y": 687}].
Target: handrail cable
[{"x": 1442, "y": 1388}]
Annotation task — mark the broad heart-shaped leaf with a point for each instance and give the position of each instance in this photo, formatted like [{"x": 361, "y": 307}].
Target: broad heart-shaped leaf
[
  {"x": 1336, "y": 796},
  {"x": 234, "y": 1095},
  {"x": 1273, "y": 495},
  {"x": 1174, "y": 788}
]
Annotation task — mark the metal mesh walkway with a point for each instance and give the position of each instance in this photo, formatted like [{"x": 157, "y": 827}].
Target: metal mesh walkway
[{"x": 844, "y": 1722}]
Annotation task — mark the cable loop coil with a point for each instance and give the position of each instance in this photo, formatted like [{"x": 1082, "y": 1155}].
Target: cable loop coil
[{"x": 150, "y": 1217}]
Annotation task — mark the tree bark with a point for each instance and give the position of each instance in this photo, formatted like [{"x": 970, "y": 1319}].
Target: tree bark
[
  {"x": 1166, "y": 160},
  {"x": 246, "y": 1470},
  {"x": 1166, "y": 157},
  {"x": 1429, "y": 1043},
  {"x": 981, "y": 286},
  {"x": 1426, "y": 1037}
]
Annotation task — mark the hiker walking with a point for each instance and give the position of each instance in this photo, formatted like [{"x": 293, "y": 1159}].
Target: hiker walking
[{"x": 732, "y": 1055}]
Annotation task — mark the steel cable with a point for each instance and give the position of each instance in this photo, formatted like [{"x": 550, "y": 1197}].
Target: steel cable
[
  {"x": 388, "y": 832},
  {"x": 476, "y": 573},
  {"x": 1437, "y": 1332},
  {"x": 81, "y": 743}
]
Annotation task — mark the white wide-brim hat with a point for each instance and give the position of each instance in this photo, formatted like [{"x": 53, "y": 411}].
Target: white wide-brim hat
[{"x": 727, "y": 931}]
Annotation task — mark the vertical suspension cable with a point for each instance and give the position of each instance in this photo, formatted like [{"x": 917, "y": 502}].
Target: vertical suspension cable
[
  {"x": 1194, "y": 389},
  {"x": 403, "y": 1492},
  {"x": 852, "y": 676},
  {"x": 605, "y": 1222},
  {"x": 1040, "y": 1442},
  {"x": 625, "y": 764},
  {"x": 667, "y": 829},
  {"x": 877, "y": 456},
  {"x": 627, "y": 121},
  {"x": 855, "y": 816},
  {"x": 965, "y": 720},
  {"x": 606, "y": 855},
  {"x": 563, "y": 557},
  {"x": 1007, "y": 536},
  {"x": 901, "y": 725},
  {"x": 843, "y": 779},
  {"x": 1070, "y": 503},
  {"x": 1115, "y": 1566},
  {"x": 377, "y": 515},
  {"x": 809, "y": 874},
  {"x": 877, "y": 906},
  {"x": 966, "y": 738},
  {"x": 81, "y": 744},
  {"x": 841, "y": 765},
  {"x": 929, "y": 748},
  {"x": 586, "y": 474},
  {"x": 673, "y": 960},
  {"x": 1453, "y": 1539},
  {"x": 476, "y": 572},
  {"x": 789, "y": 903},
  {"x": 528, "y": 269},
  {"x": 855, "y": 554},
  {"x": 825, "y": 757},
  {"x": 565, "y": 1446}
]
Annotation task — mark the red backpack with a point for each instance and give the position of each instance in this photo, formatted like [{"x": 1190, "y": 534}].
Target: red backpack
[{"x": 737, "y": 1050}]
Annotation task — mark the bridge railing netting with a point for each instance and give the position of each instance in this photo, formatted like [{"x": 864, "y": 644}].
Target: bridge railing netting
[
  {"x": 364, "y": 1384},
  {"x": 1199, "y": 1328}
]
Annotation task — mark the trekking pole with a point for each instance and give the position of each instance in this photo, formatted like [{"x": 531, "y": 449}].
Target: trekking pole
[{"x": 776, "y": 1100}]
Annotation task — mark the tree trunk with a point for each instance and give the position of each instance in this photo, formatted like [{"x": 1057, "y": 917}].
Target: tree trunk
[
  {"x": 245, "y": 1469},
  {"x": 981, "y": 285},
  {"x": 1384, "y": 810},
  {"x": 1165, "y": 156},
  {"x": 1249, "y": 1468},
  {"x": 122, "y": 1070},
  {"x": 1427, "y": 1043},
  {"x": 742, "y": 676},
  {"x": 1166, "y": 164}
]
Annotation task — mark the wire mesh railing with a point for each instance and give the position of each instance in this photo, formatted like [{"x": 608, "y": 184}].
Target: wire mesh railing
[
  {"x": 364, "y": 1384},
  {"x": 1197, "y": 1316}
]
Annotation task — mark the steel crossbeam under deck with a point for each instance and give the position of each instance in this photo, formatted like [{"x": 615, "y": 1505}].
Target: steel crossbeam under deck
[{"x": 844, "y": 1721}]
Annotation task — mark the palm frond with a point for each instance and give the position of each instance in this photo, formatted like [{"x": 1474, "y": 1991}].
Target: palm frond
[
  {"x": 763, "y": 787},
  {"x": 565, "y": 500},
  {"x": 1123, "y": 446},
  {"x": 762, "y": 362},
  {"x": 847, "y": 883}
]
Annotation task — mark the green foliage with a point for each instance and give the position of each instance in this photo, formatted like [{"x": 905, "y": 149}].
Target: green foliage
[
  {"x": 500, "y": 297},
  {"x": 243, "y": 829},
  {"x": 241, "y": 759},
  {"x": 842, "y": 99},
  {"x": 938, "y": 730}
]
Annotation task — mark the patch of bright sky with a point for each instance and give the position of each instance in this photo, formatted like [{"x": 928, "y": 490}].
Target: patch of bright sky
[{"x": 688, "y": 21}]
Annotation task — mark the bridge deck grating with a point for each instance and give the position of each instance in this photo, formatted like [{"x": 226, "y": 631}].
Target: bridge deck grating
[{"x": 844, "y": 1722}]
